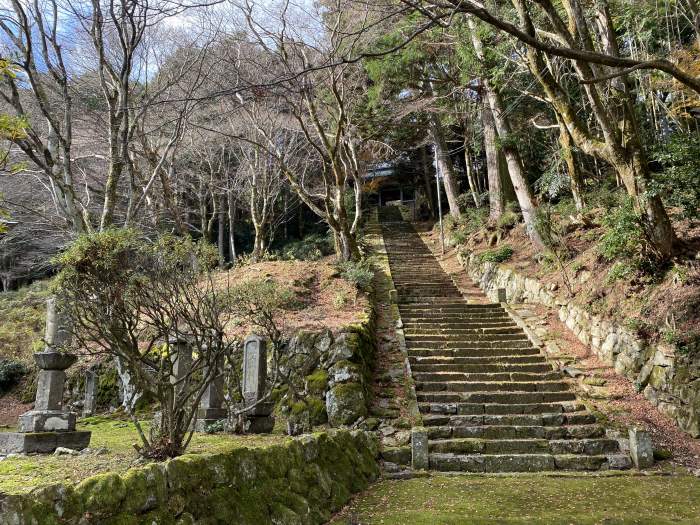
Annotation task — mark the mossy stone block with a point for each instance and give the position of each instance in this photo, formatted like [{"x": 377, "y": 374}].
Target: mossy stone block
[
  {"x": 345, "y": 404},
  {"x": 102, "y": 495},
  {"x": 147, "y": 488}
]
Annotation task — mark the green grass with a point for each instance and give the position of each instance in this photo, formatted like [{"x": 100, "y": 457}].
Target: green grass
[
  {"x": 22, "y": 474},
  {"x": 528, "y": 500}
]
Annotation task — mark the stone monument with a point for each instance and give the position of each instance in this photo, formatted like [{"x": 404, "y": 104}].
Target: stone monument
[
  {"x": 258, "y": 418},
  {"x": 90, "y": 401},
  {"x": 180, "y": 350},
  {"x": 211, "y": 406},
  {"x": 48, "y": 425},
  {"x": 181, "y": 357}
]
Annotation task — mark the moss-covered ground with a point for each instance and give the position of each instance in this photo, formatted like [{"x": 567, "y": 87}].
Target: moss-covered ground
[
  {"x": 528, "y": 500},
  {"x": 21, "y": 474}
]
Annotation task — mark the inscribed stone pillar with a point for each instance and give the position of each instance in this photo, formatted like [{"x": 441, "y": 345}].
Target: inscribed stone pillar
[
  {"x": 181, "y": 357},
  {"x": 258, "y": 420},
  {"x": 502, "y": 295},
  {"x": 211, "y": 405},
  {"x": 419, "y": 448},
  {"x": 90, "y": 390},
  {"x": 641, "y": 448},
  {"x": 254, "y": 369},
  {"x": 57, "y": 333}
]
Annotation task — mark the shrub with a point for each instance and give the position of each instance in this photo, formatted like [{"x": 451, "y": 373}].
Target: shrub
[
  {"x": 623, "y": 237},
  {"x": 606, "y": 196},
  {"x": 554, "y": 181},
  {"x": 509, "y": 218},
  {"x": 618, "y": 271},
  {"x": 358, "y": 273},
  {"x": 261, "y": 303},
  {"x": 311, "y": 248},
  {"x": 127, "y": 296},
  {"x": 459, "y": 237},
  {"x": 10, "y": 374},
  {"x": 340, "y": 299},
  {"x": 497, "y": 255},
  {"x": 475, "y": 218}
]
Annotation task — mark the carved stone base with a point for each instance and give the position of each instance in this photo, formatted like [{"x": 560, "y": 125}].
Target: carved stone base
[
  {"x": 259, "y": 424},
  {"x": 212, "y": 413},
  {"x": 42, "y": 442},
  {"x": 46, "y": 421},
  {"x": 208, "y": 416}
]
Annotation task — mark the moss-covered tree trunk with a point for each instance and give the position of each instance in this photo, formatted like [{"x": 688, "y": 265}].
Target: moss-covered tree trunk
[
  {"x": 493, "y": 171},
  {"x": 575, "y": 176}
]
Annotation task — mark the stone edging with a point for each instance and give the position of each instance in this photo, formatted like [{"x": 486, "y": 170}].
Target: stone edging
[
  {"x": 670, "y": 380},
  {"x": 382, "y": 254}
]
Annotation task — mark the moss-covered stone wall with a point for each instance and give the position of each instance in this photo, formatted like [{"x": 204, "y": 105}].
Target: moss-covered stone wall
[
  {"x": 300, "y": 482},
  {"x": 334, "y": 376}
]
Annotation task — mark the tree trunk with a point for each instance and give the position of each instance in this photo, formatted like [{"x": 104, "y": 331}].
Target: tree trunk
[
  {"x": 493, "y": 171},
  {"x": 515, "y": 167},
  {"x": 345, "y": 241},
  {"x": 231, "y": 227},
  {"x": 221, "y": 233},
  {"x": 614, "y": 115},
  {"x": 260, "y": 243},
  {"x": 444, "y": 164},
  {"x": 575, "y": 176},
  {"x": 473, "y": 187},
  {"x": 427, "y": 181},
  {"x": 510, "y": 150}
]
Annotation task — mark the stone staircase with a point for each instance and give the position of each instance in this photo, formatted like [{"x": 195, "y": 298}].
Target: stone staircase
[{"x": 489, "y": 398}]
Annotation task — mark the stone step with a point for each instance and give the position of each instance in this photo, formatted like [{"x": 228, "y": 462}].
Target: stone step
[
  {"x": 502, "y": 397},
  {"x": 437, "y": 365},
  {"x": 490, "y": 400},
  {"x": 493, "y": 353},
  {"x": 493, "y": 386},
  {"x": 525, "y": 462},
  {"x": 468, "y": 409},
  {"x": 421, "y": 290},
  {"x": 439, "y": 302},
  {"x": 457, "y": 331},
  {"x": 489, "y": 446},
  {"x": 459, "y": 325},
  {"x": 589, "y": 447},
  {"x": 562, "y": 432},
  {"x": 427, "y": 303},
  {"x": 457, "y": 307},
  {"x": 438, "y": 317},
  {"x": 467, "y": 338},
  {"x": 428, "y": 375},
  {"x": 511, "y": 420},
  {"x": 466, "y": 345},
  {"x": 435, "y": 282},
  {"x": 477, "y": 356}
]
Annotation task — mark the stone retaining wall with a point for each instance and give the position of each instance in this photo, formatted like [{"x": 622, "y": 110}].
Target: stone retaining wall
[
  {"x": 336, "y": 373},
  {"x": 668, "y": 378},
  {"x": 300, "y": 482}
]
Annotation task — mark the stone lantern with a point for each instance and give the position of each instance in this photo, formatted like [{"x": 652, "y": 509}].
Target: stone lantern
[{"x": 48, "y": 426}]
